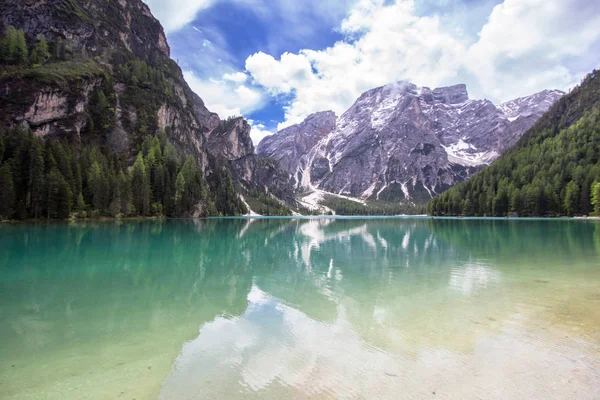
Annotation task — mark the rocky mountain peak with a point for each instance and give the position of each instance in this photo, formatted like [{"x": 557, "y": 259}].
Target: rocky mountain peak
[
  {"x": 403, "y": 142},
  {"x": 530, "y": 105},
  {"x": 455, "y": 94}
]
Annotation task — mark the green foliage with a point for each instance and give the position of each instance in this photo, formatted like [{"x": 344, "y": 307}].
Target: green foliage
[
  {"x": 343, "y": 206},
  {"x": 596, "y": 197},
  {"x": 64, "y": 74},
  {"x": 226, "y": 124},
  {"x": 51, "y": 179},
  {"x": 102, "y": 110},
  {"x": 550, "y": 171},
  {"x": 13, "y": 47},
  {"x": 227, "y": 201},
  {"x": 7, "y": 192},
  {"x": 265, "y": 204},
  {"x": 140, "y": 186},
  {"x": 40, "y": 52},
  {"x": 59, "y": 194}
]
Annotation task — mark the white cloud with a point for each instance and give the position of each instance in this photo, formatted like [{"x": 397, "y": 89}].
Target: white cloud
[
  {"x": 229, "y": 97},
  {"x": 525, "y": 46},
  {"x": 176, "y": 14},
  {"x": 226, "y": 98},
  {"x": 258, "y": 132},
  {"x": 236, "y": 77},
  {"x": 393, "y": 44}
]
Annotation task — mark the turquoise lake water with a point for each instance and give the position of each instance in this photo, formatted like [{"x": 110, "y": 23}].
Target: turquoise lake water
[{"x": 398, "y": 308}]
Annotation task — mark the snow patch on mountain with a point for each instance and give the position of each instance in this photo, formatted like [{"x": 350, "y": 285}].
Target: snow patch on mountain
[
  {"x": 401, "y": 141},
  {"x": 463, "y": 153}
]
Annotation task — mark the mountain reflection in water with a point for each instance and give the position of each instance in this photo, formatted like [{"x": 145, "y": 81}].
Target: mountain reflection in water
[{"x": 297, "y": 308}]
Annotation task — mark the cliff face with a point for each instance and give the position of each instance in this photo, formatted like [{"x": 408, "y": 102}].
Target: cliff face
[
  {"x": 111, "y": 81},
  {"x": 402, "y": 142},
  {"x": 230, "y": 143},
  {"x": 291, "y": 145},
  {"x": 98, "y": 38}
]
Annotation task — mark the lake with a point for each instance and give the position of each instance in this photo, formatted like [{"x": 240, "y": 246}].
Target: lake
[{"x": 352, "y": 308}]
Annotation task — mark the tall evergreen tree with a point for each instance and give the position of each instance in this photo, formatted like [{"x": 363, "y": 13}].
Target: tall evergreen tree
[
  {"x": 99, "y": 187},
  {"x": 21, "y": 53},
  {"x": 59, "y": 196},
  {"x": 8, "y": 45},
  {"x": 7, "y": 193},
  {"x": 596, "y": 197},
  {"x": 40, "y": 52},
  {"x": 572, "y": 198},
  {"x": 36, "y": 177},
  {"x": 140, "y": 186}
]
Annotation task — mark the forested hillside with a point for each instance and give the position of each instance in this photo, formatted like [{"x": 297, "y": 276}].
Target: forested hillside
[
  {"x": 52, "y": 179},
  {"x": 90, "y": 84},
  {"x": 553, "y": 170},
  {"x": 83, "y": 174}
]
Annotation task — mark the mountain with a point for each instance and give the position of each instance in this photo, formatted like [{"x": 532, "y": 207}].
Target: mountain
[
  {"x": 553, "y": 170},
  {"x": 402, "y": 142},
  {"x": 99, "y": 73}
]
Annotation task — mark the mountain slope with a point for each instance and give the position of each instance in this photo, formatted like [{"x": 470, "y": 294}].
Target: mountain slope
[
  {"x": 96, "y": 45},
  {"x": 401, "y": 142},
  {"x": 98, "y": 73},
  {"x": 550, "y": 171}
]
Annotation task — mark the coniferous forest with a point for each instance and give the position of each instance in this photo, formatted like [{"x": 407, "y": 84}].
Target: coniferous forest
[
  {"x": 52, "y": 179},
  {"x": 58, "y": 178},
  {"x": 554, "y": 170}
]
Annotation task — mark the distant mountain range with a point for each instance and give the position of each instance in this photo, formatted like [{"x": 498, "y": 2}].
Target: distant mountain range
[{"x": 401, "y": 142}]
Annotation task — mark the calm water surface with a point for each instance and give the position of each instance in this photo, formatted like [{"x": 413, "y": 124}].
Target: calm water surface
[{"x": 299, "y": 308}]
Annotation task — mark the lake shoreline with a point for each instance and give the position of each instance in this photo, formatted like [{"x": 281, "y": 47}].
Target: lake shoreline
[{"x": 324, "y": 216}]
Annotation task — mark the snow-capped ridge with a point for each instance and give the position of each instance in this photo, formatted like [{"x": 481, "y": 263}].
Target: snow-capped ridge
[{"x": 401, "y": 141}]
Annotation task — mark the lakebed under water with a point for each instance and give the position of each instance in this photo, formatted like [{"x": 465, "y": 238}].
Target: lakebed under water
[{"x": 301, "y": 308}]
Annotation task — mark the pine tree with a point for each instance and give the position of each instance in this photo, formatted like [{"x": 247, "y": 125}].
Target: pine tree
[
  {"x": 596, "y": 197},
  {"x": 115, "y": 204},
  {"x": 21, "y": 53},
  {"x": 40, "y": 52},
  {"x": 571, "y": 198},
  {"x": 99, "y": 187},
  {"x": 179, "y": 191},
  {"x": 7, "y": 193},
  {"x": 80, "y": 202},
  {"x": 60, "y": 49},
  {"x": 467, "y": 207},
  {"x": 140, "y": 186},
  {"x": 59, "y": 196},
  {"x": 125, "y": 191},
  {"x": 8, "y": 48},
  {"x": 35, "y": 183}
]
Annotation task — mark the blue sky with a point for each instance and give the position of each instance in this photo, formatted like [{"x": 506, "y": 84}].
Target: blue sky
[{"x": 277, "y": 61}]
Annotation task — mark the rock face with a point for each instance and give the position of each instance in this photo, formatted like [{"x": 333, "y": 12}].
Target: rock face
[
  {"x": 291, "y": 145},
  {"x": 402, "y": 142},
  {"x": 230, "y": 143},
  {"x": 100, "y": 37},
  {"x": 100, "y": 27}
]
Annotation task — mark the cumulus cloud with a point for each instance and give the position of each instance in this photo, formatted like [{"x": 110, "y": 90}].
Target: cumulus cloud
[
  {"x": 225, "y": 97},
  {"x": 236, "y": 77},
  {"x": 259, "y": 131},
  {"x": 525, "y": 46},
  {"x": 173, "y": 15}
]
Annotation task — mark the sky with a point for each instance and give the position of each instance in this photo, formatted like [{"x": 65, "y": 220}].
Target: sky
[{"x": 277, "y": 61}]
